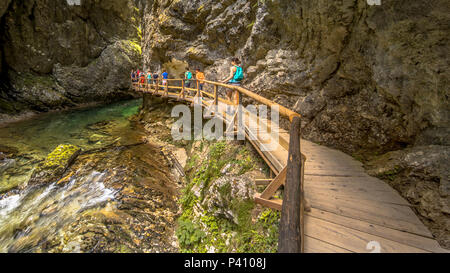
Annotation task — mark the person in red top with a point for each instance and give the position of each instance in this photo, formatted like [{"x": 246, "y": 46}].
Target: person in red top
[{"x": 142, "y": 78}]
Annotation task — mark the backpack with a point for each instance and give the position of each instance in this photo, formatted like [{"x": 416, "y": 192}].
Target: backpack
[
  {"x": 239, "y": 74},
  {"x": 188, "y": 75}
]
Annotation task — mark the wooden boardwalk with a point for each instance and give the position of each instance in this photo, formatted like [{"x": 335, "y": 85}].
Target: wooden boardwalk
[{"x": 349, "y": 211}]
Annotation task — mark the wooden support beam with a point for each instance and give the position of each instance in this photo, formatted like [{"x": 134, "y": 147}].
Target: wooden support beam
[
  {"x": 290, "y": 235},
  {"x": 263, "y": 181},
  {"x": 166, "y": 89},
  {"x": 275, "y": 203},
  {"x": 230, "y": 127},
  {"x": 275, "y": 185},
  {"x": 216, "y": 95}
]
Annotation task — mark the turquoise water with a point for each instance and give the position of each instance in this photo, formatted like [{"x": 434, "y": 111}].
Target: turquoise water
[{"x": 33, "y": 139}]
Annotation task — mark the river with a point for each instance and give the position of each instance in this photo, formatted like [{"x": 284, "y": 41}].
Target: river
[{"x": 118, "y": 195}]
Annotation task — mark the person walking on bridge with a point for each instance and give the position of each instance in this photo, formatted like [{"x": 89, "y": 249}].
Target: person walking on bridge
[
  {"x": 200, "y": 76},
  {"x": 165, "y": 77},
  {"x": 149, "y": 77},
  {"x": 188, "y": 77},
  {"x": 235, "y": 78},
  {"x": 142, "y": 76},
  {"x": 155, "y": 77},
  {"x": 133, "y": 76}
]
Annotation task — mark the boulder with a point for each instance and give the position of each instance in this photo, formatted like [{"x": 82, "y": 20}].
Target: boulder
[
  {"x": 229, "y": 197},
  {"x": 54, "y": 166}
]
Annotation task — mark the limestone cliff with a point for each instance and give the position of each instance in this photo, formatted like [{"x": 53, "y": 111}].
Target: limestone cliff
[
  {"x": 364, "y": 77},
  {"x": 368, "y": 79},
  {"x": 62, "y": 53}
]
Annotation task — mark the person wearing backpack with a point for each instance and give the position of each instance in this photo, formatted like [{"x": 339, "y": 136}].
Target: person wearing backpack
[
  {"x": 149, "y": 77},
  {"x": 188, "y": 77},
  {"x": 236, "y": 76}
]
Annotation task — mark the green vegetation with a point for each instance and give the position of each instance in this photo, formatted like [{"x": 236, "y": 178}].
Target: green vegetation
[
  {"x": 188, "y": 233},
  {"x": 200, "y": 230}
]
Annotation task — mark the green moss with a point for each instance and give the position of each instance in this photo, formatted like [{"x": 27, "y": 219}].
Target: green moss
[
  {"x": 136, "y": 46},
  {"x": 243, "y": 210},
  {"x": 390, "y": 174},
  {"x": 60, "y": 156}
]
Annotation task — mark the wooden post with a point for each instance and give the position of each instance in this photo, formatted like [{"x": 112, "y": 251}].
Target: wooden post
[
  {"x": 198, "y": 89},
  {"x": 290, "y": 234},
  {"x": 240, "y": 118},
  {"x": 166, "y": 89},
  {"x": 216, "y": 95},
  {"x": 182, "y": 89}
]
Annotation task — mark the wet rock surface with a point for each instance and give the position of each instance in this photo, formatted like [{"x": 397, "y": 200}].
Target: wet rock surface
[{"x": 56, "y": 55}]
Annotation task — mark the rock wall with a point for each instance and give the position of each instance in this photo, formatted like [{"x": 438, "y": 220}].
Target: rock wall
[
  {"x": 364, "y": 77},
  {"x": 60, "y": 53}
]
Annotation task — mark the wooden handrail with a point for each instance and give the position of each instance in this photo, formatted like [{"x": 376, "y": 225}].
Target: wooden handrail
[{"x": 282, "y": 110}]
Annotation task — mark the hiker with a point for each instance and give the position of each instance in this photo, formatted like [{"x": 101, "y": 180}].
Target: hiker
[
  {"x": 155, "y": 77},
  {"x": 188, "y": 77},
  {"x": 149, "y": 77},
  {"x": 200, "y": 76},
  {"x": 133, "y": 76},
  {"x": 235, "y": 78},
  {"x": 142, "y": 78},
  {"x": 165, "y": 77}
]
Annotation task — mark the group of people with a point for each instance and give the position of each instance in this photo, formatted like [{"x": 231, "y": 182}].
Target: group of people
[
  {"x": 140, "y": 76},
  {"x": 235, "y": 77},
  {"x": 149, "y": 77}
]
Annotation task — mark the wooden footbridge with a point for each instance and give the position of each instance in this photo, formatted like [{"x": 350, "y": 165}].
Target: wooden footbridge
[{"x": 329, "y": 203}]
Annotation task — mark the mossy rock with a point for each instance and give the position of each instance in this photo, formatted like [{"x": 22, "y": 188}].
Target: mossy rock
[{"x": 54, "y": 166}]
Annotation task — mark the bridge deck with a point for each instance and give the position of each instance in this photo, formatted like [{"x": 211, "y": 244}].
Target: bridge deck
[{"x": 349, "y": 208}]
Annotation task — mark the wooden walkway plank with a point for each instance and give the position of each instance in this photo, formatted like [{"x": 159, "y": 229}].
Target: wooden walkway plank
[
  {"x": 364, "y": 183},
  {"x": 387, "y": 233},
  {"x": 389, "y": 215},
  {"x": 352, "y": 239},
  {"x": 313, "y": 245},
  {"x": 353, "y": 190}
]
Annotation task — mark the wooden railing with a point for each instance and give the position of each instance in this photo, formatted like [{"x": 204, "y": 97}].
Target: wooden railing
[{"x": 291, "y": 176}]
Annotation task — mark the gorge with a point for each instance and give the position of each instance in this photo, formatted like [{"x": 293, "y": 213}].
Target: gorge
[{"x": 369, "y": 80}]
